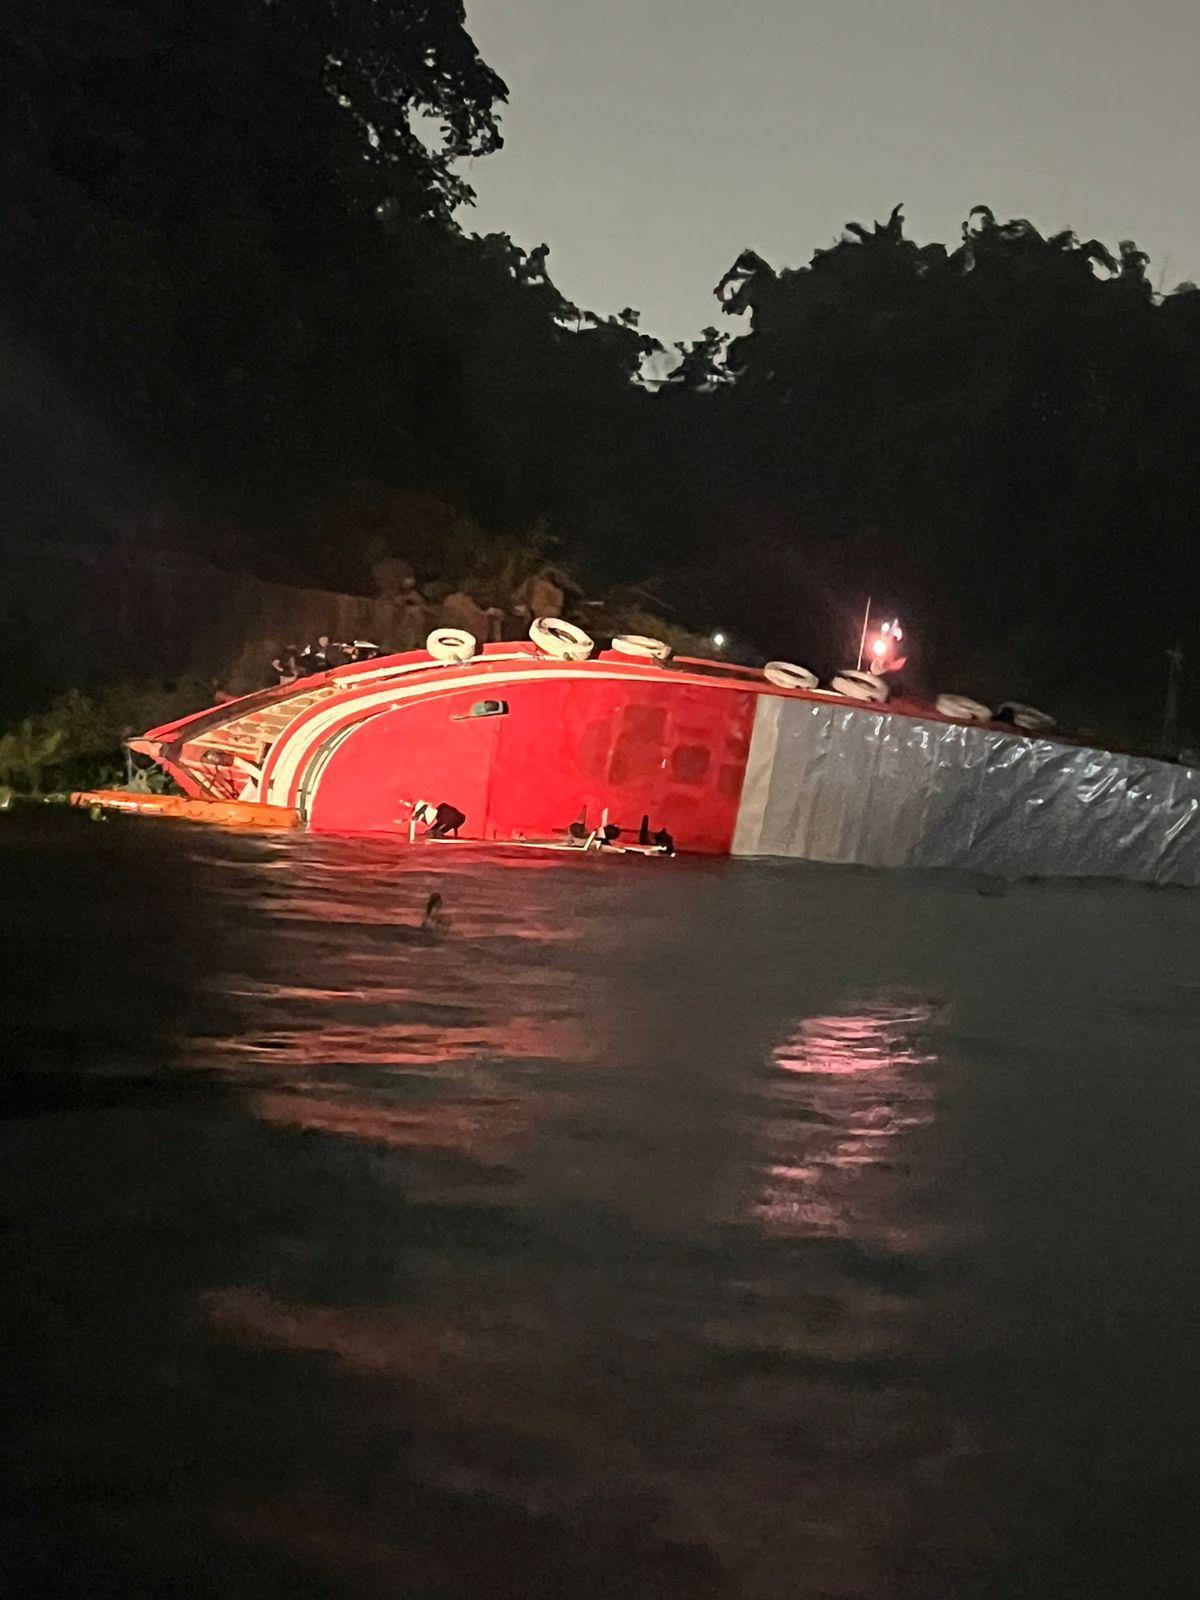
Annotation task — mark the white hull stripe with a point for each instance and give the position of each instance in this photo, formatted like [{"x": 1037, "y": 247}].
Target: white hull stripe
[{"x": 297, "y": 744}]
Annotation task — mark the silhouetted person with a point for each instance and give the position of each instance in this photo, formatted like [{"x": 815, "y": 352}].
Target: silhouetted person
[
  {"x": 316, "y": 657},
  {"x": 447, "y": 821},
  {"x": 436, "y": 919},
  {"x": 442, "y": 821}
]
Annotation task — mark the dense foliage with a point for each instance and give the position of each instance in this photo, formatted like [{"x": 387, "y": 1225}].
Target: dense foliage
[
  {"x": 77, "y": 742},
  {"x": 236, "y": 288}
]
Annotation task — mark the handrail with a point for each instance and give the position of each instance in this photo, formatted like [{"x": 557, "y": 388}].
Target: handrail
[
  {"x": 707, "y": 663},
  {"x": 352, "y": 679}
]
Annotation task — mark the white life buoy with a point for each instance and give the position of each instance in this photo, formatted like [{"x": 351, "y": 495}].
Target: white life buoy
[
  {"x": 640, "y": 645},
  {"x": 856, "y": 685},
  {"x": 451, "y": 644},
  {"x": 1029, "y": 719},
  {"x": 787, "y": 675},
  {"x": 560, "y": 639},
  {"x": 960, "y": 709}
]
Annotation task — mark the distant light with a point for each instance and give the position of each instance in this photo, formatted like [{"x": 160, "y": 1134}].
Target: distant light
[
  {"x": 879, "y": 647},
  {"x": 897, "y": 631},
  {"x": 719, "y": 641}
]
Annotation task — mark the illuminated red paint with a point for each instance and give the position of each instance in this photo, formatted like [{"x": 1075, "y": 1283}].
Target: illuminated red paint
[{"x": 639, "y": 746}]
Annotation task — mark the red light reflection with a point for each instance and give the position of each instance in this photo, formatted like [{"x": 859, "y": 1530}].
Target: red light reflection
[{"x": 857, "y": 1090}]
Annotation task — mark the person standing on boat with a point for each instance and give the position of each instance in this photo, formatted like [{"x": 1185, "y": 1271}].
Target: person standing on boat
[
  {"x": 285, "y": 669},
  {"x": 315, "y": 660}
]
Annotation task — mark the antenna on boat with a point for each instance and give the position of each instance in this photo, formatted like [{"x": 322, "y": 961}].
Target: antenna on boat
[{"x": 862, "y": 643}]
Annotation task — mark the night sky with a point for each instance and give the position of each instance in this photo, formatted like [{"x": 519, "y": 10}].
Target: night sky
[{"x": 648, "y": 141}]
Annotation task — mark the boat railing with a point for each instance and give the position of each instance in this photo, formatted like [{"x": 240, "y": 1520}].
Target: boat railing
[{"x": 734, "y": 669}]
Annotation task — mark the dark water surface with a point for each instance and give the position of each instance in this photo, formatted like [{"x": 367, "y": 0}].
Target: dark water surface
[{"x": 670, "y": 1229}]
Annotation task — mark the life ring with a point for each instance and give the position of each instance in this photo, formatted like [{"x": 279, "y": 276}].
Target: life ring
[
  {"x": 787, "y": 675},
  {"x": 451, "y": 644},
  {"x": 562, "y": 640},
  {"x": 1029, "y": 719},
  {"x": 960, "y": 709},
  {"x": 856, "y": 685},
  {"x": 641, "y": 646}
]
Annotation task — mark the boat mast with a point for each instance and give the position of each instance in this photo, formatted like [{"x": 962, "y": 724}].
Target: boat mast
[{"x": 862, "y": 643}]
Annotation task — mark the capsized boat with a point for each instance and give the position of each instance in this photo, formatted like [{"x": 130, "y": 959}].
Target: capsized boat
[{"x": 552, "y": 743}]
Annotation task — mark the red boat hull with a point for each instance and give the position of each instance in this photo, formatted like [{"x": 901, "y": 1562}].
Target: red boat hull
[{"x": 564, "y": 747}]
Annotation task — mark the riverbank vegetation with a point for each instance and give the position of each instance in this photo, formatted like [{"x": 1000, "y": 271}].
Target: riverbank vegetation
[{"x": 78, "y": 741}]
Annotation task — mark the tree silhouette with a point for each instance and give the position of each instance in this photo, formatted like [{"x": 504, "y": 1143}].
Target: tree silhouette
[{"x": 236, "y": 283}]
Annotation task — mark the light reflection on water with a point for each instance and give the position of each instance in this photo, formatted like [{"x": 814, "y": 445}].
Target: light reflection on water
[
  {"x": 858, "y": 1085},
  {"x": 647, "y": 1236}
]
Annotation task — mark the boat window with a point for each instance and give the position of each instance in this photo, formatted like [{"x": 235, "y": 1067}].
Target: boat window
[
  {"x": 489, "y": 708},
  {"x": 689, "y": 763}
]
